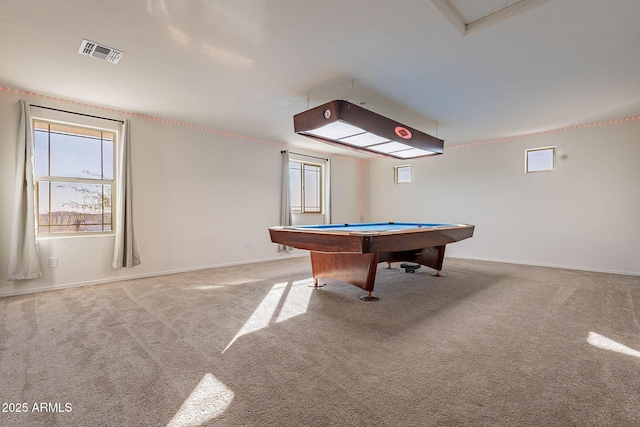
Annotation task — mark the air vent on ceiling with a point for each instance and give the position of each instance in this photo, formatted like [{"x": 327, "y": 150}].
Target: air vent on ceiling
[{"x": 98, "y": 51}]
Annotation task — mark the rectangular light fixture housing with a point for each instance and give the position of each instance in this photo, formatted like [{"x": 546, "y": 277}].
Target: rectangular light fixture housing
[{"x": 350, "y": 126}]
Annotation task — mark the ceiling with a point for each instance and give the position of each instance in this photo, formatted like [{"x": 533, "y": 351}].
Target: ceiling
[{"x": 247, "y": 66}]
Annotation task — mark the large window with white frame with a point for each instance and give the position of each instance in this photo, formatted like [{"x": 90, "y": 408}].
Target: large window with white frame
[
  {"x": 74, "y": 168},
  {"x": 306, "y": 187}
]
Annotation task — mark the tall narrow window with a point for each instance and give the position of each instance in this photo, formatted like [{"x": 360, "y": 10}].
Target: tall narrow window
[
  {"x": 74, "y": 168},
  {"x": 306, "y": 187}
]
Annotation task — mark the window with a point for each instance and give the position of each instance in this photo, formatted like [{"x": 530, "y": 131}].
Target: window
[
  {"x": 402, "y": 174},
  {"x": 305, "y": 187},
  {"x": 74, "y": 168},
  {"x": 540, "y": 159}
]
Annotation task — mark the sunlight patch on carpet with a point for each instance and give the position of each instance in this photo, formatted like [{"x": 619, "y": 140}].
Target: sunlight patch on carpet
[
  {"x": 208, "y": 400},
  {"x": 297, "y": 300},
  {"x": 262, "y": 315},
  {"x": 295, "y": 303},
  {"x": 207, "y": 287},
  {"x": 605, "y": 343},
  {"x": 239, "y": 281}
]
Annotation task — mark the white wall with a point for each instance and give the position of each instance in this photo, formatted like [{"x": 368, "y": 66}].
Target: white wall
[
  {"x": 586, "y": 215},
  {"x": 197, "y": 204},
  {"x": 200, "y": 200}
]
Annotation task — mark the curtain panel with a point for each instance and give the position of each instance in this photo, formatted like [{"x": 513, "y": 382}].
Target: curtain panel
[
  {"x": 24, "y": 258},
  {"x": 125, "y": 252},
  {"x": 285, "y": 197},
  {"x": 327, "y": 192}
]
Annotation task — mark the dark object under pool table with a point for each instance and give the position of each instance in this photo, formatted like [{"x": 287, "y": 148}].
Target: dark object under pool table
[{"x": 351, "y": 252}]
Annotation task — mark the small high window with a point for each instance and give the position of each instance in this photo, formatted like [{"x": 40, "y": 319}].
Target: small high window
[
  {"x": 540, "y": 159},
  {"x": 402, "y": 174}
]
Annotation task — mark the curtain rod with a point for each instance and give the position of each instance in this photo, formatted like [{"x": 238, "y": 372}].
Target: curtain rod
[
  {"x": 79, "y": 114},
  {"x": 305, "y": 155}
]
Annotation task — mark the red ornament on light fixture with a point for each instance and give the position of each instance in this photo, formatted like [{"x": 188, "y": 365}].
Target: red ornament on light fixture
[{"x": 403, "y": 132}]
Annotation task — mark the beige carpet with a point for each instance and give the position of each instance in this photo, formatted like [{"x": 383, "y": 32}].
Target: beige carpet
[{"x": 489, "y": 345}]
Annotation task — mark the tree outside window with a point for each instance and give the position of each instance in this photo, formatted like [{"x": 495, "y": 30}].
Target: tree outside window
[{"x": 74, "y": 178}]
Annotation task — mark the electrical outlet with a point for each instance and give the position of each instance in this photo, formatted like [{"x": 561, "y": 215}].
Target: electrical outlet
[{"x": 53, "y": 262}]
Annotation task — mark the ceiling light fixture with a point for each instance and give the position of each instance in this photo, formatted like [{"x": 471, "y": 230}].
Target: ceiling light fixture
[{"x": 348, "y": 125}]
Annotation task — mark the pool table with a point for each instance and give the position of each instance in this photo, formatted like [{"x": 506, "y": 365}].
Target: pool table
[{"x": 351, "y": 252}]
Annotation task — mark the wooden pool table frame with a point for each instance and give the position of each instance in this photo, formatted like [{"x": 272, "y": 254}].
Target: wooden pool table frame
[{"x": 353, "y": 256}]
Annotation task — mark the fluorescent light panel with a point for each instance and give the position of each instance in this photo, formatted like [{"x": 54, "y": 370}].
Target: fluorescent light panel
[
  {"x": 364, "y": 139},
  {"x": 337, "y": 130},
  {"x": 414, "y": 152},
  {"x": 390, "y": 147},
  {"x": 344, "y": 124}
]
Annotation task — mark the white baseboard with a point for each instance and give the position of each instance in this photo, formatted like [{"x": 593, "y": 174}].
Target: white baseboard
[
  {"x": 141, "y": 276},
  {"x": 293, "y": 254},
  {"x": 537, "y": 264}
]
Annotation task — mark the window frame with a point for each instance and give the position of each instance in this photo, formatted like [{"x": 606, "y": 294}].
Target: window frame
[
  {"x": 303, "y": 187},
  {"x": 396, "y": 174},
  {"x": 552, "y": 167},
  {"x": 53, "y": 179}
]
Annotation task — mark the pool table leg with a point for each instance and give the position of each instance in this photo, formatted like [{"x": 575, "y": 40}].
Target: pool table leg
[
  {"x": 369, "y": 297},
  {"x": 433, "y": 258},
  {"x": 354, "y": 268}
]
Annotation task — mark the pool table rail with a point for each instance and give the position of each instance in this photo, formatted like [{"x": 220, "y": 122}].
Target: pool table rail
[
  {"x": 353, "y": 256},
  {"x": 336, "y": 240}
]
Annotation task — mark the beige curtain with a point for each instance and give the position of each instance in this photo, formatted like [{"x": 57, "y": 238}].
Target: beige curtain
[
  {"x": 285, "y": 196},
  {"x": 125, "y": 253},
  {"x": 24, "y": 259}
]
